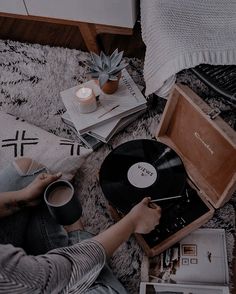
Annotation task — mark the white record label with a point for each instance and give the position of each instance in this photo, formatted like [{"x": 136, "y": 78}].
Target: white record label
[{"x": 142, "y": 175}]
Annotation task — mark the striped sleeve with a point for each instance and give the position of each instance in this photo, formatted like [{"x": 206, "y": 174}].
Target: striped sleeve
[
  {"x": 87, "y": 259},
  {"x": 22, "y": 273},
  {"x": 65, "y": 270}
]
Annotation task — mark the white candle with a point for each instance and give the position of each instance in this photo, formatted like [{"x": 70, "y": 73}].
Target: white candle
[{"x": 86, "y": 99}]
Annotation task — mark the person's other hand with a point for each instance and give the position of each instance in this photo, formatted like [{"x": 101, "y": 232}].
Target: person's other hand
[
  {"x": 143, "y": 217},
  {"x": 35, "y": 190}
]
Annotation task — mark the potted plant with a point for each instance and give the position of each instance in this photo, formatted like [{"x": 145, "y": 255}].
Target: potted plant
[{"x": 106, "y": 69}]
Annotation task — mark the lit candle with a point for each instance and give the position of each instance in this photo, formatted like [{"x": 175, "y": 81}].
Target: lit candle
[{"x": 87, "y": 100}]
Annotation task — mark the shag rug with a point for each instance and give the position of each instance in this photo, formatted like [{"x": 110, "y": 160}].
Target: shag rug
[{"x": 31, "y": 78}]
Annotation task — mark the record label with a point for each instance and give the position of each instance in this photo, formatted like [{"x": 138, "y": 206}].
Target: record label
[{"x": 142, "y": 174}]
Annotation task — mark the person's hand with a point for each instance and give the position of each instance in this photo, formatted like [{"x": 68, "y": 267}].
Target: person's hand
[
  {"x": 144, "y": 216},
  {"x": 34, "y": 191}
]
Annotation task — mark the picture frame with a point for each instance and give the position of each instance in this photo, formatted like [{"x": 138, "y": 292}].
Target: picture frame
[
  {"x": 189, "y": 249},
  {"x": 193, "y": 260},
  {"x": 185, "y": 261}
]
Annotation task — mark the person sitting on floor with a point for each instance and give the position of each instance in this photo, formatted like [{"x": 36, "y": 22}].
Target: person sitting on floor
[{"x": 37, "y": 255}]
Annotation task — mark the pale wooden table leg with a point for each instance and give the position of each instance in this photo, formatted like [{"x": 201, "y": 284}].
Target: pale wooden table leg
[{"x": 89, "y": 34}]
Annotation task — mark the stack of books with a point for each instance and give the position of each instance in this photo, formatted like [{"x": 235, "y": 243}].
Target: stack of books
[{"x": 114, "y": 112}]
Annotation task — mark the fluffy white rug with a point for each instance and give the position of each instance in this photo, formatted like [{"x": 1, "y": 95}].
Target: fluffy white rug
[{"x": 31, "y": 78}]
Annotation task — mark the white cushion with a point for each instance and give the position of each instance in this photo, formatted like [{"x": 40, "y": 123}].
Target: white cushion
[{"x": 21, "y": 139}]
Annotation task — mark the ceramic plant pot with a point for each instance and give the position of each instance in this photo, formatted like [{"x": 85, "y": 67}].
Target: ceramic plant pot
[{"x": 110, "y": 86}]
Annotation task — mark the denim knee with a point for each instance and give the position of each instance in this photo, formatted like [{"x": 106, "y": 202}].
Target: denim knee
[
  {"x": 12, "y": 180},
  {"x": 44, "y": 233}
]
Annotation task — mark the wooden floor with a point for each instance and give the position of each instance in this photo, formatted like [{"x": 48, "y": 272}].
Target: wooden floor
[{"x": 70, "y": 37}]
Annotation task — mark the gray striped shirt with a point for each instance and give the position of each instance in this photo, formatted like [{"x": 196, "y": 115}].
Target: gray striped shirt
[{"x": 65, "y": 270}]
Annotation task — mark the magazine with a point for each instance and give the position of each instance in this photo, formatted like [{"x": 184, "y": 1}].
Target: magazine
[
  {"x": 88, "y": 140},
  {"x": 128, "y": 99},
  {"x": 155, "y": 288},
  {"x": 200, "y": 259}
]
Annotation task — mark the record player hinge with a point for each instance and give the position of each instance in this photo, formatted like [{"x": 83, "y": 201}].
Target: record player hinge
[{"x": 213, "y": 113}]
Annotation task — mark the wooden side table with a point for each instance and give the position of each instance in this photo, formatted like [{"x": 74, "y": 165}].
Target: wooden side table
[{"x": 91, "y": 17}]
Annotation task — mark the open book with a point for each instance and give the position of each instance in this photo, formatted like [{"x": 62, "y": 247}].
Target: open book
[
  {"x": 198, "y": 259},
  {"x": 127, "y": 100}
]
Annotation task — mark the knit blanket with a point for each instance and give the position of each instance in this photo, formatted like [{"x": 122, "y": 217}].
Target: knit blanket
[{"x": 181, "y": 34}]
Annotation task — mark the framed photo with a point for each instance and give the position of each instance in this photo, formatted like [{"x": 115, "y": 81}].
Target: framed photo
[
  {"x": 189, "y": 249},
  {"x": 185, "y": 261},
  {"x": 193, "y": 260}
]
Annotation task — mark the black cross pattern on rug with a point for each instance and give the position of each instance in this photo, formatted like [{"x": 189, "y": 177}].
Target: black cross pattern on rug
[
  {"x": 19, "y": 142},
  {"x": 74, "y": 147}
]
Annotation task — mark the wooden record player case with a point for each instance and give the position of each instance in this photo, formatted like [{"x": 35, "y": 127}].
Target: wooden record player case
[{"x": 206, "y": 145}]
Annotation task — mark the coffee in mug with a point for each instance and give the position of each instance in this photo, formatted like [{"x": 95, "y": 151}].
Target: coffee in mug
[
  {"x": 62, "y": 202},
  {"x": 60, "y": 195}
]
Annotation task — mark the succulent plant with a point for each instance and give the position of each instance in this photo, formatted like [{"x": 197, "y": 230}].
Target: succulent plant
[{"x": 104, "y": 67}]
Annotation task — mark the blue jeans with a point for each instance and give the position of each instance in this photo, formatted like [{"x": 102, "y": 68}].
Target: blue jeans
[{"x": 34, "y": 230}]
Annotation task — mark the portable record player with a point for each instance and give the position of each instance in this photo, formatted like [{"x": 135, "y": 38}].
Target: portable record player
[{"x": 189, "y": 136}]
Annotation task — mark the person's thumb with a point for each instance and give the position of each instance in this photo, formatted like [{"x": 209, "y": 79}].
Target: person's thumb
[
  {"x": 57, "y": 175},
  {"x": 146, "y": 200},
  {"x": 53, "y": 177}
]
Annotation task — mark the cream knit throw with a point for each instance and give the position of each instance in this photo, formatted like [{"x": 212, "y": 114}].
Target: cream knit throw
[{"x": 181, "y": 34}]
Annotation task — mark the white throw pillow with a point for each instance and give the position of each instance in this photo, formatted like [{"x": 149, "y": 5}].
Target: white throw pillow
[{"x": 21, "y": 139}]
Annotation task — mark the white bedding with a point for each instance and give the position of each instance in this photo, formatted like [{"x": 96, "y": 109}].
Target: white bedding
[{"x": 181, "y": 34}]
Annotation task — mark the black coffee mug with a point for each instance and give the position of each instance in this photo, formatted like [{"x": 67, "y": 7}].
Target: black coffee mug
[{"x": 62, "y": 202}]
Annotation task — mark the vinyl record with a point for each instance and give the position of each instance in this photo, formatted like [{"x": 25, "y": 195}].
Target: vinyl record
[{"x": 141, "y": 168}]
